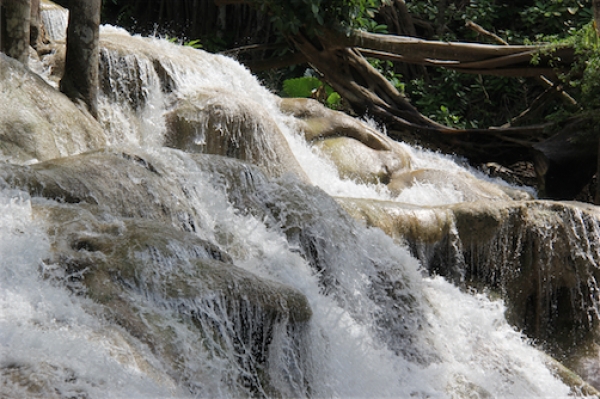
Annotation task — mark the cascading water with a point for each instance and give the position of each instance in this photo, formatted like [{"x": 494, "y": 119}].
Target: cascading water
[{"x": 170, "y": 274}]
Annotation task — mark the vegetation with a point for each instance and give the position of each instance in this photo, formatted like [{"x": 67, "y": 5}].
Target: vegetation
[
  {"x": 514, "y": 79},
  {"x": 481, "y": 78}
]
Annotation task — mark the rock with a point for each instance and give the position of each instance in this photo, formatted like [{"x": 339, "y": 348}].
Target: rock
[
  {"x": 318, "y": 122},
  {"x": 360, "y": 152},
  {"x": 358, "y": 162},
  {"x": 587, "y": 386},
  {"x": 539, "y": 256},
  {"x": 221, "y": 123},
  {"x": 38, "y": 122},
  {"x": 124, "y": 265},
  {"x": 363, "y": 154},
  {"x": 566, "y": 162},
  {"x": 471, "y": 188},
  {"x": 120, "y": 183},
  {"x": 124, "y": 234},
  {"x": 402, "y": 222}
]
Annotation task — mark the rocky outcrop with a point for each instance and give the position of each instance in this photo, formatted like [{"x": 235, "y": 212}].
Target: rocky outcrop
[
  {"x": 359, "y": 152},
  {"x": 39, "y": 123},
  {"x": 365, "y": 155},
  {"x": 219, "y": 122},
  {"x": 120, "y": 183},
  {"x": 123, "y": 234},
  {"x": 124, "y": 266},
  {"x": 539, "y": 256}
]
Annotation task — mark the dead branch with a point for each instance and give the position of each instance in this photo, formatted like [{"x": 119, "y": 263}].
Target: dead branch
[{"x": 479, "y": 29}]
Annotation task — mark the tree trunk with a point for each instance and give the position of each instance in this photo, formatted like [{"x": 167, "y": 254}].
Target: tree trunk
[
  {"x": 369, "y": 93},
  {"x": 596, "y": 10},
  {"x": 15, "y": 23},
  {"x": 358, "y": 82},
  {"x": 566, "y": 162},
  {"x": 35, "y": 34},
  {"x": 597, "y": 192},
  {"x": 80, "y": 81}
]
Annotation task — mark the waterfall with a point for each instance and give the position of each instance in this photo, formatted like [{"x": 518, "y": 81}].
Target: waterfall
[
  {"x": 54, "y": 19},
  {"x": 146, "y": 271}
]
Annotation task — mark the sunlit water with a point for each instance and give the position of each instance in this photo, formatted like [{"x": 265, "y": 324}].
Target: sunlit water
[{"x": 427, "y": 340}]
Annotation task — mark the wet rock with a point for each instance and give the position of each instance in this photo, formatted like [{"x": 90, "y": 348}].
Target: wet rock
[
  {"x": 119, "y": 183},
  {"x": 123, "y": 234},
  {"x": 37, "y": 122},
  {"x": 143, "y": 274},
  {"x": 221, "y": 123},
  {"x": 318, "y": 122},
  {"x": 358, "y": 150},
  {"x": 402, "y": 222},
  {"x": 470, "y": 188},
  {"x": 539, "y": 256},
  {"x": 358, "y": 162}
]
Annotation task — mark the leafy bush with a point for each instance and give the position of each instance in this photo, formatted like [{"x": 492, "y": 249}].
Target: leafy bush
[
  {"x": 583, "y": 79},
  {"x": 311, "y": 87},
  {"x": 310, "y": 16},
  {"x": 554, "y": 16}
]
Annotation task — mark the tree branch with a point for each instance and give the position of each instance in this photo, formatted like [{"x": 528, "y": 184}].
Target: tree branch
[
  {"x": 479, "y": 29},
  {"x": 436, "y": 50}
]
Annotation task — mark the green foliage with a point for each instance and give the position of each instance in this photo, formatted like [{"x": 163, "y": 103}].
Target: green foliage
[
  {"x": 555, "y": 16},
  {"x": 474, "y": 101},
  {"x": 370, "y": 25},
  {"x": 467, "y": 101},
  {"x": 189, "y": 43},
  {"x": 193, "y": 43},
  {"x": 386, "y": 68},
  {"x": 513, "y": 23},
  {"x": 311, "y": 16},
  {"x": 583, "y": 79},
  {"x": 311, "y": 87},
  {"x": 303, "y": 87}
]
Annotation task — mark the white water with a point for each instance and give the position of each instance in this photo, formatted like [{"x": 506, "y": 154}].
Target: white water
[
  {"x": 360, "y": 343},
  {"x": 48, "y": 342}
]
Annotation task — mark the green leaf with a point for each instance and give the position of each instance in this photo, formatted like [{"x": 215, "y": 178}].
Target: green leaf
[
  {"x": 334, "y": 100},
  {"x": 301, "y": 87}
]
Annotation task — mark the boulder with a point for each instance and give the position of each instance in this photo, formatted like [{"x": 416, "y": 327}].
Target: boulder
[
  {"x": 566, "y": 162},
  {"x": 220, "y": 122},
  {"x": 128, "y": 184},
  {"x": 39, "y": 123},
  {"x": 363, "y": 154},
  {"x": 317, "y": 121},
  {"x": 469, "y": 187},
  {"x": 124, "y": 232},
  {"x": 358, "y": 162},
  {"x": 359, "y": 151}
]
